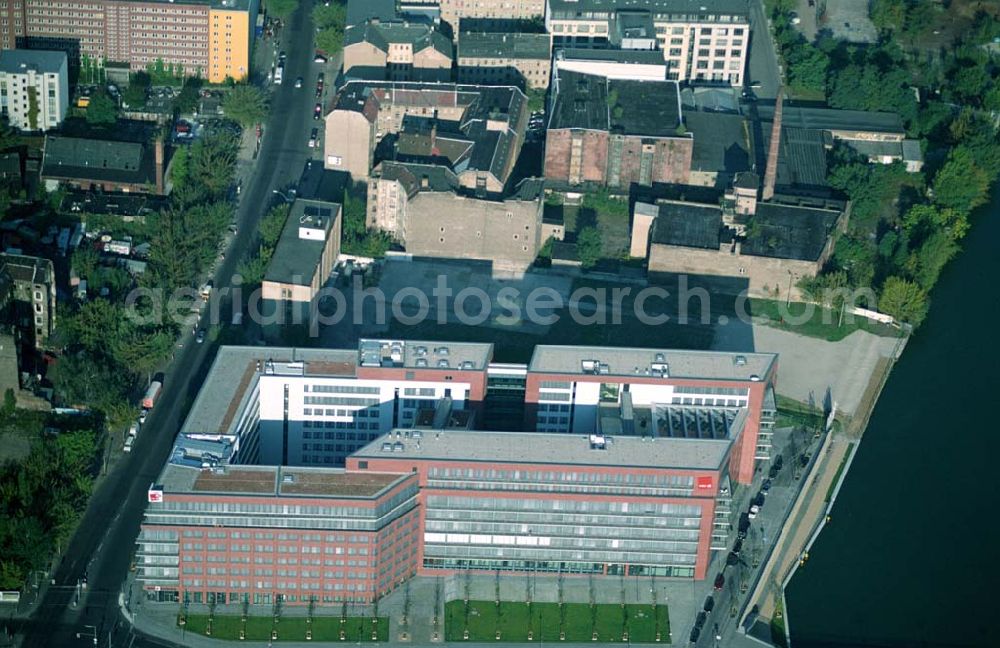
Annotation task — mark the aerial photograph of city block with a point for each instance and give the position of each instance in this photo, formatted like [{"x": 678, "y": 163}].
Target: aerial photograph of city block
[{"x": 498, "y": 322}]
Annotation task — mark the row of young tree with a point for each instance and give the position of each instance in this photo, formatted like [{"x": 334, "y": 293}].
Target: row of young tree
[{"x": 904, "y": 227}]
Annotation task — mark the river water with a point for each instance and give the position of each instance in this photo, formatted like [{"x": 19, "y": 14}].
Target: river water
[{"x": 910, "y": 557}]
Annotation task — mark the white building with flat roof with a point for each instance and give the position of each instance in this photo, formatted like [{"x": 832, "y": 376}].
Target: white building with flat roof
[{"x": 34, "y": 88}]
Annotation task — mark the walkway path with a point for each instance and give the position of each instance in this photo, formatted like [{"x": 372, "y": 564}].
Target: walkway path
[{"x": 807, "y": 512}]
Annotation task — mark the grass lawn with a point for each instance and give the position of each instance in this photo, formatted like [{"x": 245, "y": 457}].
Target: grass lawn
[
  {"x": 547, "y": 620},
  {"x": 792, "y": 413},
  {"x": 324, "y": 628},
  {"x": 821, "y": 322}
]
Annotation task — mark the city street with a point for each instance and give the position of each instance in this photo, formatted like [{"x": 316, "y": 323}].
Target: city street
[
  {"x": 101, "y": 550},
  {"x": 763, "y": 68}
]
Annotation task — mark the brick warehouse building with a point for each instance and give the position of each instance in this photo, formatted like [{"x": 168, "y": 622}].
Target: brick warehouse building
[
  {"x": 213, "y": 38},
  {"x": 633, "y": 477}
]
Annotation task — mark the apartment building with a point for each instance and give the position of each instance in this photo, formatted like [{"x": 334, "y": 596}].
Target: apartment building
[
  {"x": 34, "y": 88},
  {"x": 477, "y": 131},
  {"x": 636, "y": 482},
  {"x": 397, "y": 51},
  {"x": 521, "y": 59},
  {"x": 31, "y": 282},
  {"x": 426, "y": 209},
  {"x": 302, "y": 261},
  {"x": 701, "y": 42},
  {"x": 211, "y": 38},
  {"x": 454, "y": 10},
  {"x": 615, "y": 132}
]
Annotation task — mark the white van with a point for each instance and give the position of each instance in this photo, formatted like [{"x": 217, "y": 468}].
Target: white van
[
  {"x": 133, "y": 430},
  {"x": 129, "y": 442}
]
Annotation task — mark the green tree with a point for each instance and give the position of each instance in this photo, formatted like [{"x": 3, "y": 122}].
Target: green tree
[
  {"x": 588, "y": 247},
  {"x": 272, "y": 224},
  {"x": 33, "y": 108},
  {"x": 134, "y": 97},
  {"x": 206, "y": 171},
  {"x": 102, "y": 109},
  {"x": 245, "y": 104},
  {"x": 83, "y": 379},
  {"x": 904, "y": 300},
  {"x": 9, "y": 402},
  {"x": 188, "y": 98},
  {"x": 330, "y": 23},
  {"x": 888, "y": 14},
  {"x": 961, "y": 184},
  {"x": 937, "y": 250},
  {"x": 807, "y": 66},
  {"x": 281, "y": 8},
  {"x": 85, "y": 261}
]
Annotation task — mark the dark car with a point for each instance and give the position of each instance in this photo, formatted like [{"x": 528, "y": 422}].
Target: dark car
[
  {"x": 751, "y": 618},
  {"x": 773, "y": 472},
  {"x": 200, "y": 336},
  {"x": 699, "y": 622},
  {"x": 744, "y": 522},
  {"x": 695, "y": 633},
  {"x": 766, "y": 486},
  {"x": 738, "y": 547},
  {"x": 720, "y": 581},
  {"x": 732, "y": 558},
  {"x": 709, "y": 603},
  {"x": 759, "y": 499},
  {"x": 318, "y": 111},
  {"x": 779, "y": 461},
  {"x": 804, "y": 459},
  {"x": 741, "y": 535}
]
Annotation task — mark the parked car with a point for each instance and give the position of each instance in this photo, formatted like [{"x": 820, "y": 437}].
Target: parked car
[
  {"x": 732, "y": 558},
  {"x": 313, "y": 136},
  {"x": 766, "y": 486},
  {"x": 199, "y": 337},
  {"x": 319, "y": 58},
  {"x": 758, "y": 500},
  {"x": 142, "y": 416},
  {"x": 720, "y": 581},
  {"x": 318, "y": 111},
  {"x": 709, "y": 602},
  {"x": 129, "y": 442},
  {"x": 298, "y": 82},
  {"x": 754, "y": 510}
]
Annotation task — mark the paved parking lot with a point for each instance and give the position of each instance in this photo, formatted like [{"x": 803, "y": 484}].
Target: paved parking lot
[{"x": 848, "y": 20}]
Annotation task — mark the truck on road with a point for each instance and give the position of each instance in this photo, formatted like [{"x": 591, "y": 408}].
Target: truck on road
[{"x": 152, "y": 393}]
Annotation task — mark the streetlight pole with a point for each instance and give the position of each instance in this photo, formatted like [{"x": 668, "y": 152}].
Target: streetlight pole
[{"x": 283, "y": 195}]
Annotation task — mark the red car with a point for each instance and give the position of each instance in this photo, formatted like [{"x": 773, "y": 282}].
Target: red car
[{"x": 720, "y": 582}]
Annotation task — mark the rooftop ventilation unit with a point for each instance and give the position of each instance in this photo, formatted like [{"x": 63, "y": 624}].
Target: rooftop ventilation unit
[
  {"x": 754, "y": 378},
  {"x": 441, "y": 350},
  {"x": 421, "y": 362},
  {"x": 659, "y": 357},
  {"x": 603, "y": 368},
  {"x": 288, "y": 479},
  {"x": 598, "y": 442},
  {"x": 420, "y": 350},
  {"x": 443, "y": 363},
  {"x": 398, "y": 446},
  {"x": 417, "y": 434},
  {"x": 386, "y": 447},
  {"x": 739, "y": 360},
  {"x": 468, "y": 364},
  {"x": 590, "y": 366},
  {"x": 660, "y": 369}
]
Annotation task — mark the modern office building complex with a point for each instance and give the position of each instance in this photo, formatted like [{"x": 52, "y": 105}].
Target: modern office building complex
[
  {"x": 629, "y": 469},
  {"x": 34, "y": 88},
  {"x": 212, "y": 38}
]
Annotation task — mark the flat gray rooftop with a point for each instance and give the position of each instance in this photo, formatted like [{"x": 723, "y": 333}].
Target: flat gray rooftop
[
  {"x": 19, "y": 61},
  {"x": 630, "y": 362},
  {"x": 276, "y": 481},
  {"x": 416, "y": 354},
  {"x": 296, "y": 260},
  {"x": 549, "y": 449}
]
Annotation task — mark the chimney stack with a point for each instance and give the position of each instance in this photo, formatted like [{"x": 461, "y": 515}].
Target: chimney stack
[
  {"x": 159, "y": 165},
  {"x": 771, "y": 170}
]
